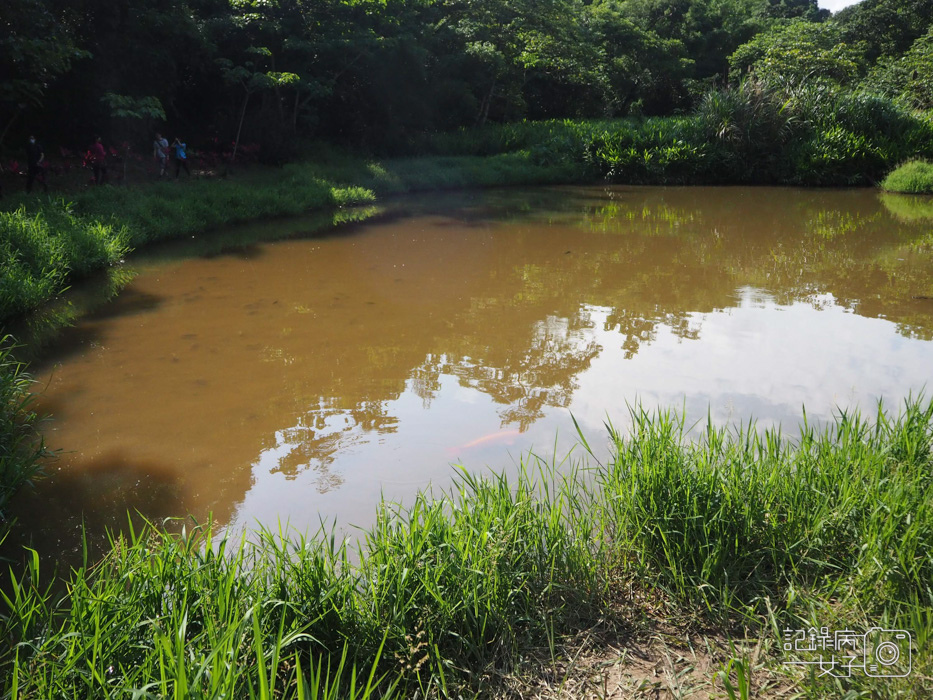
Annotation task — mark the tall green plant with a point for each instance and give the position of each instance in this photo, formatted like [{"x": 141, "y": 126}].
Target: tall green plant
[{"x": 749, "y": 126}]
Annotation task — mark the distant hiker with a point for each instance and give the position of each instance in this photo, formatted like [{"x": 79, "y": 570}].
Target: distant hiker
[
  {"x": 181, "y": 156},
  {"x": 160, "y": 152},
  {"x": 98, "y": 159},
  {"x": 35, "y": 155}
]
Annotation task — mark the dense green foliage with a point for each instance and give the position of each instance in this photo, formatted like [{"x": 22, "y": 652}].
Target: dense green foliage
[
  {"x": 745, "y": 527},
  {"x": 373, "y": 74},
  {"x": 915, "y": 177},
  {"x": 798, "y": 53},
  {"x": 909, "y": 76}
]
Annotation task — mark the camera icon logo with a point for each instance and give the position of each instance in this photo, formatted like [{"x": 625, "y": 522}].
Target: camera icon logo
[{"x": 887, "y": 653}]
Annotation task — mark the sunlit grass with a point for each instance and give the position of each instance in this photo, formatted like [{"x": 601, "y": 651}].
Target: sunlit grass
[
  {"x": 736, "y": 529},
  {"x": 42, "y": 249},
  {"x": 914, "y": 177}
]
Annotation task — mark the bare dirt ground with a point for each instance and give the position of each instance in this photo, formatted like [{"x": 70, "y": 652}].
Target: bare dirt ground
[{"x": 659, "y": 662}]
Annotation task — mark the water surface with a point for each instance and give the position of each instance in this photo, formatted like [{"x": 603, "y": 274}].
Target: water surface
[{"x": 297, "y": 380}]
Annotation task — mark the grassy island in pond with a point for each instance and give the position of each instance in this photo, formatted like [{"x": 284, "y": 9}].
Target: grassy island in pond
[
  {"x": 737, "y": 536},
  {"x": 915, "y": 177}
]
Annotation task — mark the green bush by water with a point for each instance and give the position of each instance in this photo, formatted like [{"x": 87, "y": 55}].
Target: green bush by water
[
  {"x": 914, "y": 177},
  {"x": 734, "y": 527}
]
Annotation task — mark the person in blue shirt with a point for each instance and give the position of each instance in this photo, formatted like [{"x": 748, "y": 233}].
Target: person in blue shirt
[{"x": 181, "y": 156}]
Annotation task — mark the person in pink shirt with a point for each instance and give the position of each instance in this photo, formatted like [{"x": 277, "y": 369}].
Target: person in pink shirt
[{"x": 98, "y": 158}]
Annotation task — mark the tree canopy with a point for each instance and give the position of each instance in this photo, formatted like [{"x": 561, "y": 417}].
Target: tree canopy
[{"x": 371, "y": 72}]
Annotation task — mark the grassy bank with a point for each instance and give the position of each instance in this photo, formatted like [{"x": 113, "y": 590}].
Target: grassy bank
[
  {"x": 46, "y": 243},
  {"x": 739, "y": 532}
]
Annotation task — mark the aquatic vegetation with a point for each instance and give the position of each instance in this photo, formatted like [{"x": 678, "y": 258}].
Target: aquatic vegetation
[{"x": 735, "y": 528}]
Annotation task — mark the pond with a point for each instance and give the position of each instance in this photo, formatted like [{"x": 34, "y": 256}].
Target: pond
[{"x": 296, "y": 380}]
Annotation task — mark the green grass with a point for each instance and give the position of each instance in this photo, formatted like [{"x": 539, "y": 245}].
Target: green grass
[
  {"x": 734, "y": 530},
  {"x": 42, "y": 249},
  {"x": 913, "y": 177}
]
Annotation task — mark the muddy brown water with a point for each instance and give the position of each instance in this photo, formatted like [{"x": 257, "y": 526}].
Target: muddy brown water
[{"x": 269, "y": 381}]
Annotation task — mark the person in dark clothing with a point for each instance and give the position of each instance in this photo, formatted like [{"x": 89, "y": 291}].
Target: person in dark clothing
[
  {"x": 181, "y": 156},
  {"x": 98, "y": 159},
  {"x": 35, "y": 155}
]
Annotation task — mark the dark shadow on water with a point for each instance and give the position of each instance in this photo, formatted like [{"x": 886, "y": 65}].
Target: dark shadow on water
[
  {"x": 250, "y": 251},
  {"x": 129, "y": 303},
  {"x": 52, "y": 515},
  {"x": 36, "y": 331},
  {"x": 57, "y": 339},
  {"x": 245, "y": 240}
]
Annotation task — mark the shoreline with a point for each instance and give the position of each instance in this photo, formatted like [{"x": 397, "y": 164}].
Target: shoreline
[{"x": 530, "y": 585}]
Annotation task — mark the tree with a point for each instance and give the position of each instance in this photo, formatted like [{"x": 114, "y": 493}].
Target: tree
[
  {"x": 133, "y": 109},
  {"x": 798, "y": 52},
  {"x": 795, "y": 9},
  {"x": 709, "y": 30},
  {"x": 644, "y": 72},
  {"x": 908, "y": 77},
  {"x": 886, "y": 27},
  {"x": 35, "y": 48}
]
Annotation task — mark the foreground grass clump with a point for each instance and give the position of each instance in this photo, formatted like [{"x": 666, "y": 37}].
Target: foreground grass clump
[
  {"x": 741, "y": 516},
  {"x": 914, "y": 177},
  {"x": 735, "y": 529},
  {"x": 450, "y": 586}
]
